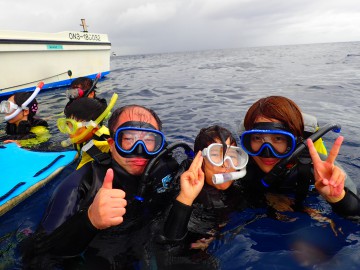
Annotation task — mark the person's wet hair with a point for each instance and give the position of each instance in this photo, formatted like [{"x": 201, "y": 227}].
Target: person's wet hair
[
  {"x": 116, "y": 114},
  {"x": 85, "y": 109},
  {"x": 84, "y": 82},
  {"x": 208, "y": 136},
  {"x": 20, "y": 98},
  {"x": 276, "y": 107}
]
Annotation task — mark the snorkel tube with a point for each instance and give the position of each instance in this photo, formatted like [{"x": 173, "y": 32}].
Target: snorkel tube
[
  {"x": 93, "y": 85},
  {"x": 221, "y": 178},
  {"x": 70, "y": 141},
  {"x": 280, "y": 168},
  {"x": 24, "y": 105}
]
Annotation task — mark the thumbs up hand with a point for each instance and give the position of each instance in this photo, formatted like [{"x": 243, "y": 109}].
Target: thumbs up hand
[{"x": 108, "y": 206}]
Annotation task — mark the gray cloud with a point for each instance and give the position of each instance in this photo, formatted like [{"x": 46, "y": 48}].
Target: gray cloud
[{"x": 141, "y": 26}]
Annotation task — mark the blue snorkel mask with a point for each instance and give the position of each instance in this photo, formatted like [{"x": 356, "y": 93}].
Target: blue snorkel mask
[
  {"x": 268, "y": 139},
  {"x": 281, "y": 169},
  {"x": 138, "y": 139}
]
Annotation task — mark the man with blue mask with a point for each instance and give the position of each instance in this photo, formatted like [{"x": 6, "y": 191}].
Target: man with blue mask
[{"x": 103, "y": 212}]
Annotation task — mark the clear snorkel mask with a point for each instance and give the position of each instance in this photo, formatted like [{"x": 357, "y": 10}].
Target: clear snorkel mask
[
  {"x": 6, "y": 106},
  {"x": 234, "y": 156},
  {"x": 74, "y": 93},
  {"x": 23, "y": 106},
  {"x": 89, "y": 128}
]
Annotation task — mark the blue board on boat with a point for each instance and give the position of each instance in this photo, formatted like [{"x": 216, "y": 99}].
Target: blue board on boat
[{"x": 23, "y": 172}]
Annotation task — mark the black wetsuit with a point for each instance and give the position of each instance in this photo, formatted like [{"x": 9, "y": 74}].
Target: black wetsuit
[
  {"x": 300, "y": 183},
  {"x": 66, "y": 231},
  {"x": 22, "y": 131},
  {"x": 186, "y": 225},
  {"x": 32, "y": 133}
]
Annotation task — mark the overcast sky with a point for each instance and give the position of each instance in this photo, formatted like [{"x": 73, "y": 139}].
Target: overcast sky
[{"x": 153, "y": 26}]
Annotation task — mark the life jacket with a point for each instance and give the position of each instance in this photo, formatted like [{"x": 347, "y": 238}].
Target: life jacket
[
  {"x": 28, "y": 133},
  {"x": 24, "y": 127},
  {"x": 310, "y": 127},
  {"x": 96, "y": 149}
]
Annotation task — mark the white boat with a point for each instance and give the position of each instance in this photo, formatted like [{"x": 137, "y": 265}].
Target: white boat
[{"x": 55, "y": 58}]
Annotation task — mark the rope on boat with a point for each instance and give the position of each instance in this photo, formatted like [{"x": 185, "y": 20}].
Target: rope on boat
[{"x": 69, "y": 73}]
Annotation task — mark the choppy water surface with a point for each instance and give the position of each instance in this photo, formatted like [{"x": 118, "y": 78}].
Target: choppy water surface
[{"x": 192, "y": 90}]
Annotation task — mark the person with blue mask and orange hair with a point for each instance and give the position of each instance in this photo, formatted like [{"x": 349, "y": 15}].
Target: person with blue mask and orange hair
[{"x": 275, "y": 140}]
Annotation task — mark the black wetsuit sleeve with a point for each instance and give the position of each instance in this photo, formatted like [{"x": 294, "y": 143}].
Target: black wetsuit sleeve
[
  {"x": 175, "y": 227},
  {"x": 65, "y": 229},
  {"x": 349, "y": 206},
  {"x": 68, "y": 240},
  {"x": 41, "y": 250}
]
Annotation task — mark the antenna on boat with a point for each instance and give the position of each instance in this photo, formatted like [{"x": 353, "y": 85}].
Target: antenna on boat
[{"x": 83, "y": 24}]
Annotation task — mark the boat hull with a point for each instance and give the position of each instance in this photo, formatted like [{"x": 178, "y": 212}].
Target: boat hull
[{"x": 28, "y": 58}]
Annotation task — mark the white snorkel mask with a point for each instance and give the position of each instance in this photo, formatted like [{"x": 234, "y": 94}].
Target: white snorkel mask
[
  {"x": 235, "y": 157},
  {"x": 24, "y": 105}
]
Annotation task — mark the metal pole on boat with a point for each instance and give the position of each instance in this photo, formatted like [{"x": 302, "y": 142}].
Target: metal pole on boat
[{"x": 83, "y": 24}]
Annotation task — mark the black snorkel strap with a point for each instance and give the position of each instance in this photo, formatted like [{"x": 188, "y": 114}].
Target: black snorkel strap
[
  {"x": 93, "y": 85},
  {"x": 143, "y": 181},
  {"x": 281, "y": 169}
]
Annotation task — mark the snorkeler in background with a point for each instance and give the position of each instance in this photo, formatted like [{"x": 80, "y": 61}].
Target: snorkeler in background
[
  {"x": 203, "y": 207},
  {"x": 83, "y": 87},
  {"x": 84, "y": 125},
  {"x": 22, "y": 126}
]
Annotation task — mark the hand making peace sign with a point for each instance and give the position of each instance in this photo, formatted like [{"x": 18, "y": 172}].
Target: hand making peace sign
[
  {"x": 329, "y": 178},
  {"x": 192, "y": 181}
]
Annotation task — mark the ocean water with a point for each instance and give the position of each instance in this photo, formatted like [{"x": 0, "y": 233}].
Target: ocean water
[{"x": 191, "y": 90}]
